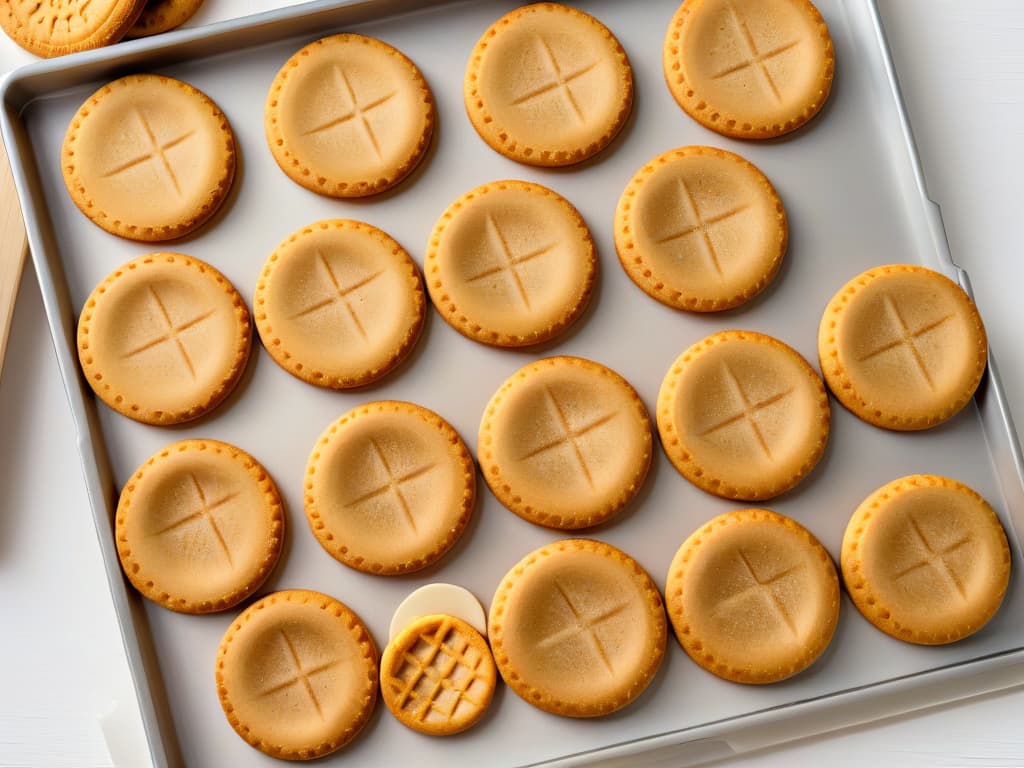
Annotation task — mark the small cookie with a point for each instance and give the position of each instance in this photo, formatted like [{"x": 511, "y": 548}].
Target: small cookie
[
  {"x": 565, "y": 443},
  {"x": 348, "y": 116},
  {"x": 700, "y": 229},
  {"x": 164, "y": 338},
  {"x": 902, "y": 347},
  {"x": 297, "y": 674},
  {"x": 162, "y": 16},
  {"x": 59, "y": 27},
  {"x": 148, "y": 158},
  {"x": 390, "y": 487},
  {"x": 437, "y": 676},
  {"x": 750, "y": 69},
  {"x": 753, "y": 596},
  {"x": 743, "y": 416},
  {"x": 510, "y": 263},
  {"x": 548, "y": 85},
  {"x": 339, "y": 304},
  {"x": 577, "y": 628},
  {"x": 199, "y": 526},
  {"x": 925, "y": 560}
]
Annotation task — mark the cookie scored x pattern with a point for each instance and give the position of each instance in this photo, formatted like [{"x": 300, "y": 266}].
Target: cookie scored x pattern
[
  {"x": 172, "y": 333},
  {"x": 762, "y": 587},
  {"x": 355, "y": 112},
  {"x": 340, "y": 295},
  {"x": 584, "y": 625},
  {"x": 757, "y": 59},
  {"x": 748, "y": 410},
  {"x": 302, "y": 676},
  {"x": 936, "y": 559},
  {"x": 393, "y": 485},
  {"x": 157, "y": 151},
  {"x": 558, "y": 80},
  {"x": 203, "y": 513},
  {"x": 508, "y": 262}
]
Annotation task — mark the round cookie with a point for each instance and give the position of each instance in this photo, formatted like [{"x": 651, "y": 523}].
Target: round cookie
[
  {"x": 199, "y": 526},
  {"x": 577, "y": 628},
  {"x": 389, "y": 487},
  {"x": 750, "y": 69},
  {"x": 297, "y": 674},
  {"x": 548, "y": 85},
  {"x": 700, "y": 229},
  {"x": 59, "y": 27},
  {"x": 148, "y": 158},
  {"x": 925, "y": 560},
  {"x": 743, "y": 416},
  {"x": 510, "y": 264},
  {"x": 753, "y": 596},
  {"x": 348, "y": 116},
  {"x": 437, "y": 675},
  {"x": 902, "y": 347},
  {"x": 339, "y": 304},
  {"x": 162, "y": 16},
  {"x": 164, "y": 338}
]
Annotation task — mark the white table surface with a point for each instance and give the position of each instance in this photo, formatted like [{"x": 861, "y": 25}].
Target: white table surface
[{"x": 65, "y": 695}]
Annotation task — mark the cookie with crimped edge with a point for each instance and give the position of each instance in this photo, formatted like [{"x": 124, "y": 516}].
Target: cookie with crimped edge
[
  {"x": 700, "y": 229},
  {"x": 339, "y": 304},
  {"x": 902, "y": 347},
  {"x": 510, "y": 263},
  {"x": 925, "y": 559},
  {"x": 750, "y": 69},
  {"x": 389, "y": 488},
  {"x": 297, "y": 674},
  {"x": 577, "y": 628},
  {"x": 162, "y": 16},
  {"x": 548, "y": 85},
  {"x": 349, "y": 116},
  {"x": 565, "y": 442},
  {"x": 148, "y": 158},
  {"x": 743, "y": 416},
  {"x": 164, "y": 338},
  {"x": 199, "y": 526},
  {"x": 753, "y": 596},
  {"x": 59, "y": 27},
  {"x": 437, "y": 675}
]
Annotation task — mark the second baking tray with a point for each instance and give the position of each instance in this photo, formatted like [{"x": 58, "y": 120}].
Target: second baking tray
[{"x": 854, "y": 194}]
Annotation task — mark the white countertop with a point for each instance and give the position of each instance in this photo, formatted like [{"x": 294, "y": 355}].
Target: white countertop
[{"x": 65, "y": 680}]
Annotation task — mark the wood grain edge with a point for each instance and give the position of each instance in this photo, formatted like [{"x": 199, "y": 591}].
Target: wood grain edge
[{"x": 13, "y": 249}]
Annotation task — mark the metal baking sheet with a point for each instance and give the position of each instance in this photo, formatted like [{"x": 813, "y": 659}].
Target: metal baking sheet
[{"x": 854, "y": 193}]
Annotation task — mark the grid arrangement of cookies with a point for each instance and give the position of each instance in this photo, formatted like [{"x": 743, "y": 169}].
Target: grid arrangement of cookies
[{"x": 576, "y": 628}]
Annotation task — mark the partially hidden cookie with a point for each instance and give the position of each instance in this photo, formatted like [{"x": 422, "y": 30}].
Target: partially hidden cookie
[
  {"x": 902, "y": 347},
  {"x": 339, "y": 304},
  {"x": 577, "y": 628},
  {"x": 548, "y": 85},
  {"x": 925, "y": 559},
  {"x": 565, "y": 443},
  {"x": 348, "y": 116},
  {"x": 743, "y": 416},
  {"x": 438, "y": 598},
  {"x": 750, "y": 69},
  {"x": 389, "y": 487},
  {"x": 437, "y": 675},
  {"x": 700, "y": 229},
  {"x": 58, "y": 27},
  {"x": 510, "y": 263},
  {"x": 753, "y": 596},
  {"x": 149, "y": 158},
  {"x": 199, "y": 526},
  {"x": 164, "y": 338},
  {"x": 162, "y": 16},
  {"x": 297, "y": 674}
]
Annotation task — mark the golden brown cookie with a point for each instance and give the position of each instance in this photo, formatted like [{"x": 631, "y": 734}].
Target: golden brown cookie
[
  {"x": 565, "y": 442},
  {"x": 751, "y": 69},
  {"x": 742, "y": 415},
  {"x": 577, "y": 628},
  {"x": 753, "y": 596},
  {"x": 162, "y": 16},
  {"x": 437, "y": 676},
  {"x": 902, "y": 347},
  {"x": 199, "y": 526},
  {"x": 701, "y": 229},
  {"x": 925, "y": 560},
  {"x": 164, "y": 338},
  {"x": 297, "y": 674},
  {"x": 339, "y": 304},
  {"x": 510, "y": 263},
  {"x": 57, "y": 27},
  {"x": 348, "y": 116},
  {"x": 548, "y": 85},
  {"x": 148, "y": 158},
  {"x": 389, "y": 487}
]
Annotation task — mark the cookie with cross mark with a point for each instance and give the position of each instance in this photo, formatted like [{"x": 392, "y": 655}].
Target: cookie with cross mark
[{"x": 59, "y": 27}]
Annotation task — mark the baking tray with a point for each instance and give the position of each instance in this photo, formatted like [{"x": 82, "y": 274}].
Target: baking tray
[{"x": 855, "y": 195}]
